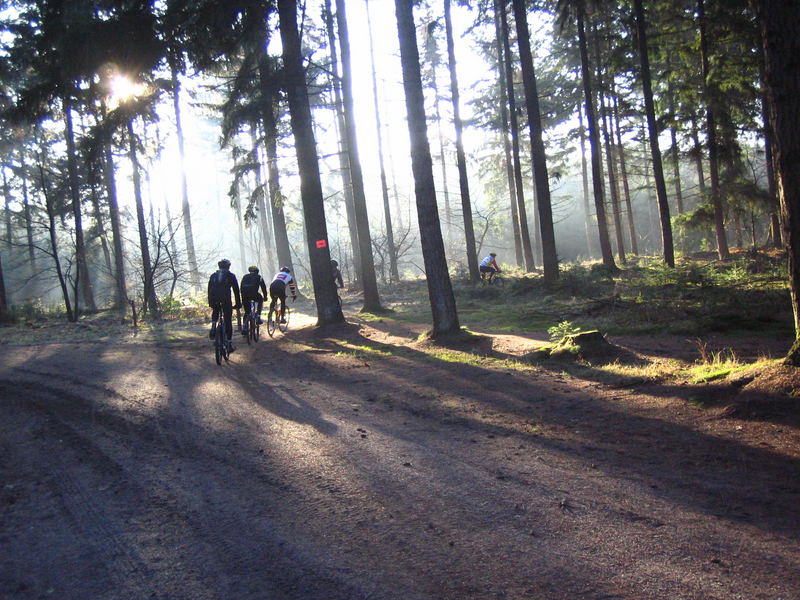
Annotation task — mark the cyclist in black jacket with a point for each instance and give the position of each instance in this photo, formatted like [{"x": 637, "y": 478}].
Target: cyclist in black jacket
[
  {"x": 250, "y": 291},
  {"x": 220, "y": 285}
]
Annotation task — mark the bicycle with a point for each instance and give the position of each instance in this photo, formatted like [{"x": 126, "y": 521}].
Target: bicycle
[
  {"x": 282, "y": 324},
  {"x": 221, "y": 349},
  {"x": 251, "y": 323},
  {"x": 495, "y": 280}
]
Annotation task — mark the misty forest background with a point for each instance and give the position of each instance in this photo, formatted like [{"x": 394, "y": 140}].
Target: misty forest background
[{"x": 143, "y": 141}]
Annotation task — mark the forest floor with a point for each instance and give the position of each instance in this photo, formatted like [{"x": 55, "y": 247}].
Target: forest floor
[{"x": 360, "y": 461}]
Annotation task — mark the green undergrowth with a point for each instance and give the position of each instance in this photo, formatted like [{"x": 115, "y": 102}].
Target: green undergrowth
[{"x": 746, "y": 294}]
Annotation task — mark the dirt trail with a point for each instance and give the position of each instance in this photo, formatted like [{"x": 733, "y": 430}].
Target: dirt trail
[{"x": 354, "y": 465}]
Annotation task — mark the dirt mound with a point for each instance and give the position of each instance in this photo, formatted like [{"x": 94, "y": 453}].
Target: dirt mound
[
  {"x": 768, "y": 393},
  {"x": 588, "y": 346}
]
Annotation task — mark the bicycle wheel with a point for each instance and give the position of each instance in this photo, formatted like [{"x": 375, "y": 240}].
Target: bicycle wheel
[
  {"x": 248, "y": 322},
  {"x": 284, "y": 324},
  {"x": 255, "y": 327},
  {"x": 497, "y": 281},
  {"x": 271, "y": 322},
  {"x": 219, "y": 342}
]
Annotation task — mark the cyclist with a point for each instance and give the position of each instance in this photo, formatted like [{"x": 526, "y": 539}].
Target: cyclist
[
  {"x": 489, "y": 267},
  {"x": 336, "y": 274},
  {"x": 250, "y": 291},
  {"x": 277, "y": 290},
  {"x": 220, "y": 285}
]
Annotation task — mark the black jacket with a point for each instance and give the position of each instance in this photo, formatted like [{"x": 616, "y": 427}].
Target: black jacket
[
  {"x": 220, "y": 285},
  {"x": 250, "y": 284}
]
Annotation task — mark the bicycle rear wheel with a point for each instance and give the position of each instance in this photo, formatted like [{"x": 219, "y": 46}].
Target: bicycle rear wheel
[
  {"x": 284, "y": 324},
  {"x": 271, "y": 322},
  {"x": 219, "y": 342},
  {"x": 248, "y": 322},
  {"x": 255, "y": 329}
]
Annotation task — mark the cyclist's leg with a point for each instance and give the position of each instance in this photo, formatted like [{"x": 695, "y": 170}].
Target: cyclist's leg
[
  {"x": 246, "y": 324},
  {"x": 214, "y": 317},
  {"x": 260, "y": 301},
  {"x": 227, "y": 311}
]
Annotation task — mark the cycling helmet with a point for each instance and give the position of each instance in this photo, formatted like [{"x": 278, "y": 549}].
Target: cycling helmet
[
  {"x": 334, "y": 263},
  {"x": 492, "y": 254},
  {"x": 285, "y": 270},
  {"x": 224, "y": 263},
  {"x": 253, "y": 269}
]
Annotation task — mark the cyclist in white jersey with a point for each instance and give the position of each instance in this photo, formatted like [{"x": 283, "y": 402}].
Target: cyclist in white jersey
[{"x": 277, "y": 290}]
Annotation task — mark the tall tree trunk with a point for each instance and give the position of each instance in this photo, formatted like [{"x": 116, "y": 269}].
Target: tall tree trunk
[
  {"x": 623, "y": 171},
  {"x": 186, "y": 208},
  {"x": 276, "y": 198},
  {"x": 344, "y": 152},
  {"x": 774, "y": 214},
  {"x": 109, "y": 179},
  {"x": 26, "y": 210},
  {"x": 328, "y": 308},
  {"x": 82, "y": 272},
  {"x": 466, "y": 202},
  {"x": 150, "y": 300},
  {"x": 652, "y": 129},
  {"x": 394, "y": 274},
  {"x": 711, "y": 136},
  {"x": 698, "y": 158},
  {"x": 585, "y": 181},
  {"x": 780, "y": 22},
  {"x": 8, "y": 222},
  {"x": 261, "y": 205},
  {"x": 613, "y": 184},
  {"x": 594, "y": 145},
  {"x": 101, "y": 229},
  {"x": 522, "y": 213},
  {"x": 372, "y": 301},
  {"x": 72, "y": 316},
  {"x": 3, "y": 298},
  {"x": 540, "y": 178},
  {"x": 676, "y": 170},
  {"x": 440, "y": 291},
  {"x": 506, "y": 133},
  {"x": 448, "y": 213}
]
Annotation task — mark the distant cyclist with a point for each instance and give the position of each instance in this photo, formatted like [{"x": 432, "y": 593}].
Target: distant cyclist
[
  {"x": 336, "y": 275},
  {"x": 220, "y": 285},
  {"x": 250, "y": 291},
  {"x": 277, "y": 290},
  {"x": 489, "y": 266}
]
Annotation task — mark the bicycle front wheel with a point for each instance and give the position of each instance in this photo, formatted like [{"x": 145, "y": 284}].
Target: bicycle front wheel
[{"x": 497, "y": 281}]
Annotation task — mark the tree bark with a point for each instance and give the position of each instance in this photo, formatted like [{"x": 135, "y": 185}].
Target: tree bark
[
  {"x": 501, "y": 60},
  {"x": 623, "y": 172},
  {"x": 440, "y": 291},
  {"x": 328, "y": 308},
  {"x": 109, "y": 178},
  {"x": 585, "y": 182},
  {"x": 522, "y": 213},
  {"x": 150, "y": 300},
  {"x": 3, "y": 298},
  {"x": 780, "y": 22},
  {"x": 51, "y": 219},
  {"x": 82, "y": 272},
  {"x": 372, "y": 301},
  {"x": 463, "y": 181},
  {"x": 394, "y": 274},
  {"x": 261, "y": 205},
  {"x": 711, "y": 136},
  {"x": 594, "y": 145},
  {"x": 541, "y": 180},
  {"x": 344, "y": 152},
  {"x": 276, "y": 199},
  {"x": 652, "y": 130}
]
